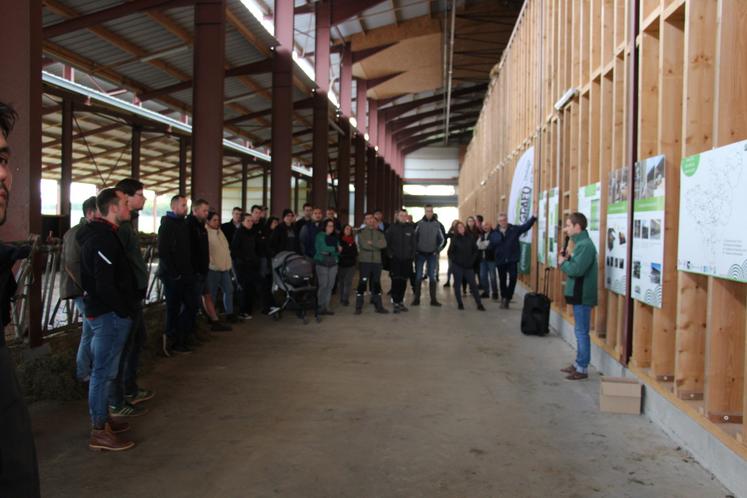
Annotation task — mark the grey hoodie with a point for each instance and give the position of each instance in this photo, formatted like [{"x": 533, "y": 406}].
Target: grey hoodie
[{"x": 429, "y": 237}]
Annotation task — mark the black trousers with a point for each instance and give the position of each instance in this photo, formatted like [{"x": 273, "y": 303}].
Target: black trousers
[
  {"x": 19, "y": 471},
  {"x": 466, "y": 275},
  {"x": 252, "y": 288},
  {"x": 400, "y": 271},
  {"x": 507, "y": 271},
  {"x": 370, "y": 275}
]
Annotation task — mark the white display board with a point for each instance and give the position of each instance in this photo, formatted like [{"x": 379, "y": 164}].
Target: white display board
[
  {"x": 542, "y": 228},
  {"x": 648, "y": 231},
  {"x": 713, "y": 213},
  {"x": 589, "y": 202},
  {"x": 553, "y": 201},
  {"x": 520, "y": 204},
  {"x": 616, "y": 238}
]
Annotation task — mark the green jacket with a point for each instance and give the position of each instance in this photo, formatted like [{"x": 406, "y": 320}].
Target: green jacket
[
  {"x": 322, "y": 249},
  {"x": 131, "y": 241},
  {"x": 581, "y": 268},
  {"x": 370, "y": 244}
]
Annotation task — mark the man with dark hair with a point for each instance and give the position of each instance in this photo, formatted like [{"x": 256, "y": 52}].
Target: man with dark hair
[
  {"x": 380, "y": 223},
  {"x": 429, "y": 240},
  {"x": 19, "y": 471},
  {"x": 127, "y": 394},
  {"x": 229, "y": 228},
  {"x": 70, "y": 287},
  {"x": 200, "y": 257},
  {"x": 111, "y": 303},
  {"x": 246, "y": 261},
  {"x": 307, "y": 235},
  {"x": 332, "y": 215},
  {"x": 371, "y": 242},
  {"x": 580, "y": 290},
  {"x": 505, "y": 240},
  {"x": 400, "y": 243},
  {"x": 284, "y": 237},
  {"x": 177, "y": 275},
  {"x": 308, "y": 209}
]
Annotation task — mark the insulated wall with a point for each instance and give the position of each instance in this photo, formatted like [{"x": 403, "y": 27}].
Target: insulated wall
[{"x": 651, "y": 77}]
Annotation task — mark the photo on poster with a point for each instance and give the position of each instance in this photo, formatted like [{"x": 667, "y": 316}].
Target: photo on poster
[{"x": 616, "y": 235}]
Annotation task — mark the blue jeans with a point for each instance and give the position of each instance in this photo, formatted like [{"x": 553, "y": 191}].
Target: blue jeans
[
  {"x": 582, "y": 317},
  {"x": 431, "y": 260},
  {"x": 488, "y": 277},
  {"x": 110, "y": 333},
  {"x": 84, "y": 358},
  {"x": 221, "y": 280}
]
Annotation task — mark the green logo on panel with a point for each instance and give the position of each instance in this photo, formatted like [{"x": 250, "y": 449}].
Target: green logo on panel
[{"x": 690, "y": 165}]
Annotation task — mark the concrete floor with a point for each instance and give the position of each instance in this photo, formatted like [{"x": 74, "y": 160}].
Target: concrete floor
[{"x": 435, "y": 402}]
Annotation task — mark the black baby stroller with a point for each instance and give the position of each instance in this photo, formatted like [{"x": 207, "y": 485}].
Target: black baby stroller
[{"x": 293, "y": 285}]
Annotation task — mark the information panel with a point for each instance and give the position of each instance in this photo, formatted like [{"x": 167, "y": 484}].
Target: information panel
[
  {"x": 552, "y": 227},
  {"x": 589, "y": 198},
  {"x": 713, "y": 211},
  {"x": 648, "y": 231},
  {"x": 542, "y": 228},
  {"x": 617, "y": 231}
]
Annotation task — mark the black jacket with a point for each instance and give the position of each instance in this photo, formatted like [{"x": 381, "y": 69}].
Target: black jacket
[
  {"x": 105, "y": 273},
  {"x": 400, "y": 241},
  {"x": 284, "y": 238},
  {"x": 463, "y": 251},
  {"x": 174, "y": 253},
  {"x": 244, "y": 249},
  {"x": 229, "y": 229},
  {"x": 199, "y": 246},
  {"x": 349, "y": 254},
  {"x": 507, "y": 248}
]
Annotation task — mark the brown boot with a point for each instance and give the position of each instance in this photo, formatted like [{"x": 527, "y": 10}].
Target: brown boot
[
  {"x": 117, "y": 427},
  {"x": 105, "y": 440},
  {"x": 577, "y": 376},
  {"x": 569, "y": 369}
]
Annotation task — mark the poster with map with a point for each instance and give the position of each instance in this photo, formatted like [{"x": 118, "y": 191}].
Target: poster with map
[
  {"x": 713, "y": 210},
  {"x": 542, "y": 228},
  {"x": 589, "y": 198},
  {"x": 648, "y": 231},
  {"x": 552, "y": 227},
  {"x": 616, "y": 238}
]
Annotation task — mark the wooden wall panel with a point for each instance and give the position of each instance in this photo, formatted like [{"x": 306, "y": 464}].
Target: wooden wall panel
[{"x": 692, "y": 61}]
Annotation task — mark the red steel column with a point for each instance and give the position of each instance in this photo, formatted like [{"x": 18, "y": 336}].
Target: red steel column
[
  {"x": 360, "y": 105},
  {"x": 320, "y": 151},
  {"x": 183, "y": 142},
  {"x": 371, "y": 180},
  {"x": 380, "y": 182},
  {"x": 66, "y": 160},
  {"x": 244, "y": 180},
  {"x": 343, "y": 151},
  {"x": 207, "y": 97},
  {"x": 137, "y": 133},
  {"x": 343, "y": 170},
  {"x": 20, "y": 86},
  {"x": 282, "y": 107},
  {"x": 373, "y": 126},
  {"x": 360, "y": 178}
]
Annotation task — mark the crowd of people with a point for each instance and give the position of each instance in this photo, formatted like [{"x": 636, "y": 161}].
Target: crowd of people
[{"x": 204, "y": 265}]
